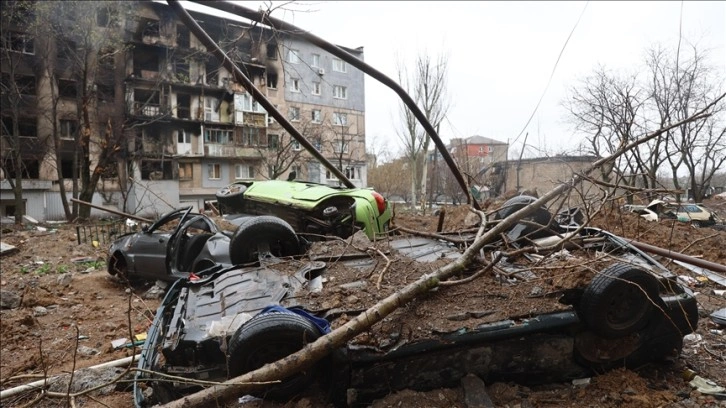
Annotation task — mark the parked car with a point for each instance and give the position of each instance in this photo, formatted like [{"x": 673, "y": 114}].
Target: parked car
[
  {"x": 181, "y": 243},
  {"x": 315, "y": 210},
  {"x": 697, "y": 214},
  {"x": 232, "y": 321}
]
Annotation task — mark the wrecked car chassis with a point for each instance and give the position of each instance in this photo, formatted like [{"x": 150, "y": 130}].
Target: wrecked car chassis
[{"x": 633, "y": 312}]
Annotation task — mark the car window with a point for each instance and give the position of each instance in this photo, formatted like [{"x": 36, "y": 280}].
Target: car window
[{"x": 692, "y": 209}]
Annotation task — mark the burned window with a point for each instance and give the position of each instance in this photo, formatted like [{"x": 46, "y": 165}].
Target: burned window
[
  {"x": 67, "y": 88},
  {"x": 67, "y": 168},
  {"x": 272, "y": 80},
  {"x": 212, "y": 73},
  {"x": 150, "y": 28},
  {"x": 22, "y": 84},
  {"x": 27, "y": 127},
  {"x": 181, "y": 70},
  {"x": 146, "y": 102},
  {"x": 272, "y": 50},
  {"x": 156, "y": 169},
  {"x": 145, "y": 61},
  {"x": 183, "y": 39},
  {"x": 29, "y": 168},
  {"x": 183, "y": 106}
]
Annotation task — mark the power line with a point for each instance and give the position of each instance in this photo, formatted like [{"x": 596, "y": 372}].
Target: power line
[{"x": 552, "y": 74}]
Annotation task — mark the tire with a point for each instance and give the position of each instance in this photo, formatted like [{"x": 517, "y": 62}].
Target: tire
[
  {"x": 118, "y": 266},
  {"x": 696, "y": 224},
  {"x": 619, "y": 301},
  {"x": 267, "y": 338},
  {"x": 260, "y": 235}
]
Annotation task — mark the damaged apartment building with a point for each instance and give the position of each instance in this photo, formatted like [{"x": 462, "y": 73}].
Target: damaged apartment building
[{"x": 183, "y": 127}]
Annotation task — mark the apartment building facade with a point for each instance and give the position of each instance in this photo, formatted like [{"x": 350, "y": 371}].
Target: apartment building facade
[{"x": 184, "y": 127}]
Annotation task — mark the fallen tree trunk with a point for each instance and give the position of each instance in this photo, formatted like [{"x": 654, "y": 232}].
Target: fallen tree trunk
[{"x": 313, "y": 352}]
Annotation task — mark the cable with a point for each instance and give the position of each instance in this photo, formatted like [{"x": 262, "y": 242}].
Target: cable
[{"x": 552, "y": 74}]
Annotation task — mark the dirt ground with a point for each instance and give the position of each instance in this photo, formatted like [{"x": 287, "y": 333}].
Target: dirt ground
[{"x": 71, "y": 309}]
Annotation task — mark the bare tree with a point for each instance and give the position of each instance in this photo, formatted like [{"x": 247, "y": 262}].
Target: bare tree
[
  {"x": 681, "y": 85},
  {"x": 427, "y": 84},
  {"x": 614, "y": 109}
]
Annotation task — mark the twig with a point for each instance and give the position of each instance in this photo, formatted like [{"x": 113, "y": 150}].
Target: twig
[{"x": 385, "y": 268}]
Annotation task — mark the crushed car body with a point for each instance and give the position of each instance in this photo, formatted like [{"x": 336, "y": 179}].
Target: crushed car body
[
  {"x": 607, "y": 305},
  {"x": 181, "y": 243},
  {"x": 316, "y": 210}
]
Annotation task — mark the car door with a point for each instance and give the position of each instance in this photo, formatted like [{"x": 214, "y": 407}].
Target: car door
[{"x": 150, "y": 248}]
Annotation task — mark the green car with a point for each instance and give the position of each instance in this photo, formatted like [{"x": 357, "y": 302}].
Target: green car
[{"x": 313, "y": 210}]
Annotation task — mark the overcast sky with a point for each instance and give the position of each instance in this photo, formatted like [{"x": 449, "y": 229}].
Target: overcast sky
[{"x": 501, "y": 54}]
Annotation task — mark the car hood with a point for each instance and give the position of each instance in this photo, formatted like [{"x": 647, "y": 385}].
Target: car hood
[{"x": 298, "y": 191}]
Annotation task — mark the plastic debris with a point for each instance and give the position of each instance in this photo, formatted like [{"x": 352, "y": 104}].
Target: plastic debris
[
  {"x": 719, "y": 316},
  {"x": 706, "y": 386}
]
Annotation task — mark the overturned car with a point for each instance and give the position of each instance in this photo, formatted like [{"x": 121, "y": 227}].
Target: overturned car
[{"x": 595, "y": 304}]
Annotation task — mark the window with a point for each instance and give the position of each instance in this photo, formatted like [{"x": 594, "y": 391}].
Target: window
[
  {"x": 183, "y": 106},
  {"x": 183, "y": 137},
  {"x": 352, "y": 173},
  {"x": 19, "y": 42},
  {"x": 250, "y": 136},
  {"x": 316, "y": 88},
  {"x": 340, "y": 92},
  {"x": 150, "y": 28},
  {"x": 106, "y": 17},
  {"x": 217, "y": 135},
  {"x": 181, "y": 69},
  {"x": 243, "y": 171},
  {"x": 182, "y": 36},
  {"x": 212, "y": 76},
  {"x": 295, "y": 85},
  {"x": 185, "y": 171},
  {"x": 273, "y": 141},
  {"x": 66, "y": 48},
  {"x": 294, "y": 113},
  {"x": 67, "y": 168},
  {"x": 340, "y": 119},
  {"x": 340, "y": 146},
  {"x": 272, "y": 80},
  {"x": 272, "y": 50},
  {"x": 292, "y": 56},
  {"x": 296, "y": 145},
  {"x": 67, "y": 89},
  {"x": 339, "y": 65},
  {"x": 317, "y": 116},
  {"x": 27, "y": 127},
  {"x": 316, "y": 61},
  {"x": 210, "y": 113},
  {"x": 214, "y": 171},
  {"x": 68, "y": 129}
]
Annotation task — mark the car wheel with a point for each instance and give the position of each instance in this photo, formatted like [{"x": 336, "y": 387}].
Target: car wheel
[
  {"x": 618, "y": 301},
  {"x": 267, "y": 338},
  {"x": 261, "y": 235},
  {"x": 118, "y": 266},
  {"x": 696, "y": 224}
]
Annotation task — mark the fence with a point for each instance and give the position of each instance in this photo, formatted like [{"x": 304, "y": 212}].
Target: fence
[{"x": 103, "y": 233}]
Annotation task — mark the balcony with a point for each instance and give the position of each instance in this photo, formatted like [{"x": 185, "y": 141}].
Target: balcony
[
  {"x": 220, "y": 150},
  {"x": 149, "y": 110}
]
